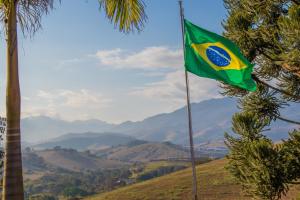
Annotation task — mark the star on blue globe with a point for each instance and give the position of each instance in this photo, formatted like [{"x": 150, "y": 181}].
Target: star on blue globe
[{"x": 218, "y": 56}]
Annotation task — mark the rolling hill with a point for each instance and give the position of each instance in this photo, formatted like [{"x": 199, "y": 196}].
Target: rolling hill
[
  {"x": 68, "y": 159},
  {"x": 142, "y": 151},
  {"x": 214, "y": 184},
  {"x": 76, "y": 161}
]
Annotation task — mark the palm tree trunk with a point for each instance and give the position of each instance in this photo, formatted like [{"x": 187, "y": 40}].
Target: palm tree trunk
[{"x": 13, "y": 176}]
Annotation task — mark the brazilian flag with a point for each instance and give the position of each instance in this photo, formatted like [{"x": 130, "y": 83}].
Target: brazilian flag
[{"x": 213, "y": 56}]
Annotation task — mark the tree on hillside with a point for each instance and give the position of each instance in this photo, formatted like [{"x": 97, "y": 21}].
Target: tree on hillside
[
  {"x": 127, "y": 15},
  {"x": 268, "y": 33}
]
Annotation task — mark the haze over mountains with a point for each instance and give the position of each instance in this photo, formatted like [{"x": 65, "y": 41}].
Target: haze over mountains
[
  {"x": 86, "y": 141},
  {"x": 211, "y": 119}
]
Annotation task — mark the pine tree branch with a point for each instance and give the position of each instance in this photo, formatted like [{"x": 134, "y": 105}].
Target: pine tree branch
[
  {"x": 288, "y": 120},
  {"x": 285, "y": 66},
  {"x": 297, "y": 2},
  {"x": 269, "y": 57},
  {"x": 281, "y": 91},
  {"x": 294, "y": 183},
  {"x": 274, "y": 88}
]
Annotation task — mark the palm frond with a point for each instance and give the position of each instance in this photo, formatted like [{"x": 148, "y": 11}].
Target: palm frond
[
  {"x": 29, "y": 13},
  {"x": 127, "y": 15}
]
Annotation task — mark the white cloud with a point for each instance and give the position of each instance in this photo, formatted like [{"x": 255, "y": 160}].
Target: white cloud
[
  {"x": 148, "y": 58},
  {"x": 172, "y": 89},
  {"x": 66, "y": 104}
]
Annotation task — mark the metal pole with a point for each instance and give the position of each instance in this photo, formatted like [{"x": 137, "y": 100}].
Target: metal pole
[{"x": 189, "y": 110}]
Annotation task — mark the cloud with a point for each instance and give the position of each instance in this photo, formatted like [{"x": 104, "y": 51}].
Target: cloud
[
  {"x": 74, "y": 99},
  {"x": 66, "y": 104},
  {"x": 148, "y": 59},
  {"x": 172, "y": 89}
]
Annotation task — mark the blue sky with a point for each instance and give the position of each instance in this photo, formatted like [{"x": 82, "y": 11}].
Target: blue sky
[{"x": 80, "y": 67}]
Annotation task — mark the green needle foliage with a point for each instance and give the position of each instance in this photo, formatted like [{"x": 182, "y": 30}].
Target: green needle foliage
[
  {"x": 268, "y": 33},
  {"x": 254, "y": 160},
  {"x": 290, "y": 155},
  {"x": 265, "y": 170}
]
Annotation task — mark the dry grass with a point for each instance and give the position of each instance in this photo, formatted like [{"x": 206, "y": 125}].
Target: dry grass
[
  {"x": 214, "y": 184},
  {"x": 154, "y": 165}
]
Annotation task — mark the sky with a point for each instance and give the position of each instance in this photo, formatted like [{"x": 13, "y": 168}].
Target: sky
[{"x": 79, "y": 66}]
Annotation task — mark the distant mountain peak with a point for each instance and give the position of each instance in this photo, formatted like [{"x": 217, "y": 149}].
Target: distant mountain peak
[{"x": 211, "y": 118}]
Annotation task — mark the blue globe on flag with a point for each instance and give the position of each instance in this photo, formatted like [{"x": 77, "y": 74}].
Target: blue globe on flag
[{"x": 218, "y": 56}]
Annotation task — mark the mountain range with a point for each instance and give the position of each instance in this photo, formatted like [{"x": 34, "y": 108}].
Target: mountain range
[
  {"x": 211, "y": 118},
  {"x": 86, "y": 141}
]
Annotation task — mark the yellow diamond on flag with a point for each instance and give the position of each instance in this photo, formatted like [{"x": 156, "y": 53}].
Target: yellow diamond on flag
[{"x": 218, "y": 56}]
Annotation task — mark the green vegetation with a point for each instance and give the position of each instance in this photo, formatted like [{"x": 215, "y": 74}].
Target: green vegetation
[
  {"x": 76, "y": 184},
  {"x": 159, "y": 172},
  {"x": 70, "y": 184},
  {"x": 154, "y": 165},
  {"x": 43, "y": 197},
  {"x": 156, "y": 169},
  {"x": 263, "y": 169},
  {"x": 268, "y": 34}
]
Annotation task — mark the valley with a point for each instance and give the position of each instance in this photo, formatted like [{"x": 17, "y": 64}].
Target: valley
[{"x": 71, "y": 173}]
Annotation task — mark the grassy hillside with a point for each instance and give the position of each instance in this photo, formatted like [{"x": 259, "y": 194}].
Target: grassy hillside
[
  {"x": 68, "y": 159},
  {"x": 153, "y": 169},
  {"x": 144, "y": 152},
  {"x": 214, "y": 184},
  {"x": 76, "y": 161}
]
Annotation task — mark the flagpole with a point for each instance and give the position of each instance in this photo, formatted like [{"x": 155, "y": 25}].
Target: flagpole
[{"x": 189, "y": 110}]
